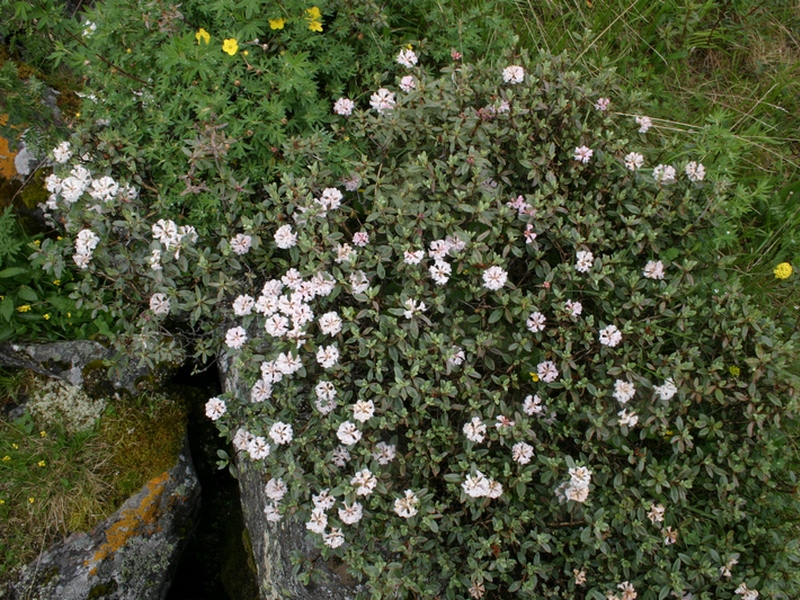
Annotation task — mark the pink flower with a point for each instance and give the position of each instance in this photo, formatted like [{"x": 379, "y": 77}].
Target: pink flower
[
  {"x": 583, "y": 154},
  {"x": 360, "y": 238},
  {"x": 602, "y": 104},
  {"x": 344, "y": 107}
]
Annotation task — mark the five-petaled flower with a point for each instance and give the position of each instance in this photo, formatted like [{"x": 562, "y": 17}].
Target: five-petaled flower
[
  {"x": 783, "y": 271},
  {"x": 202, "y": 36},
  {"x": 230, "y": 46},
  {"x": 277, "y": 23}
]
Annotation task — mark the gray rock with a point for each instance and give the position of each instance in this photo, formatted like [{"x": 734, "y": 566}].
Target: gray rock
[
  {"x": 130, "y": 556},
  {"x": 274, "y": 544},
  {"x": 82, "y": 363}
]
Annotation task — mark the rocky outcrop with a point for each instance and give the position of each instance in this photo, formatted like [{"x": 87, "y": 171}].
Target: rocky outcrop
[
  {"x": 82, "y": 363},
  {"x": 274, "y": 544},
  {"x": 130, "y": 556}
]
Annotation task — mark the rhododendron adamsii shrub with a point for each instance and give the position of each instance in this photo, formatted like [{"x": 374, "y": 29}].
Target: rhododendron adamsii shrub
[{"x": 491, "y": 360}]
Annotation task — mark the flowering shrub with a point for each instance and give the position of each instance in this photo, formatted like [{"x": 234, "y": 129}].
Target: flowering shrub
[{"x": 485, "y": 360}]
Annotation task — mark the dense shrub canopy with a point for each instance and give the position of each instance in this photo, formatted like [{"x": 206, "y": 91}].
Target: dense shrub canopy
[{"x": 483, "y": 352}]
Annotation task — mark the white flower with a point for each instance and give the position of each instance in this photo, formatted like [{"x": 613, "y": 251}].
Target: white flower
[
  {"x": 340, "y": 456},
  {"x": 363, "y": 410},
  {"x": 627, "y": 419},
  {"x": 318, "y": 521},
  {"x": 344, "y": 107},
  {"x": 348, "y": 433},
  {"x": 577, "y": 494},
  {"x": 325, "y": 390},
  {"x": 495, "y": 489},
  {"x": 359, "y": 282},
  {"x": 602, "y": 104},
  {"x": 52, "y": 183},
  {"x": 695, "y": 171},
  {"x": 654, "y": 269},
  {"x": 610, "y": 336},
  {"x": 62, "y": 153},
  {"x": 384, "y": 453},
  {"x": 215, "y": 408},
  {"x": 406, "y": 507},
  {"x": 575, "y": 308},
  {"x": 365, "y": 481},
  {"x": 155, "y": 260},
  {"x": 634, "y": 161},
  {"x": 580, "y": 476},
  {"x": 746, "y": 593},
  {"x": 644, "y": 124},
  {"x": 475, "y": 430},
  {"x": 407, "y": 83},
  {"x": 88, "y": 28},
  {"x": 476, "y": 487},
  {"x": 241, "y": 439},
  {"x": 327, "y": 356},
  {"x": 503, "y": 422},
  {"x": 412, "y": 308},
  {"x": 670, "y": 535},
  {"x": 276, "y": 325},
  {"x": 285, "y": 238},
  {"x": 166, "y": 232},
  {"x": 413, "y": 258},
  {"x": 529, "y": 234},
  {"x": 580, "y": 576},
  {"x": 407, "y": 58},
  {"x": 440, "y": 272},
  {"x": 323, "y": 500},
  {"x": 623, "y": 391},
  {"x": 159, "y": 304},
  {"x": 240, "y": 243},
  {"x": 271, "y": 512},
  {"x": 494, "y": 278},
  {"x": 350, "y": 515},
  {"x": 456, "y": 357},
  {"x": 235, "y": 337},
  {"x": 275, "y": 489},
  {"x": 104, "y": 189},
  {"x": 360, "y": 238},
  {"x": 584, "y": 261},
  {"x": 82, "y": 260},
  {"x": 281, "y": 433},
  {"x": 243, "y": 305},
  {"x": 330, "y": 323},
  {"x": 547, "y": 371},
  {"x": 262, "y": 390},
  {"x": 536, "y": 322},
  {"x": 666, "y": 391},
  {"x": 513, "y": 74},
  {"x": 382, "y": 100},
  {"x": 334, "y": 539},
  {"x": 258, "y": 448},
  {"x": 533, "y": 405},
  {"x": 656, "y": 513},
  {"x": 628, "y": 591},
  {"x": 522, "y": 453},
  {"x": 331, "y": 198},
  {"x": 664, "y": 174},
  {"x": 583, "y": 154},
  {"x": 86, "y": 241},
  {"x": 72, "y": 188},
  {"x": 345, "y": 252}
]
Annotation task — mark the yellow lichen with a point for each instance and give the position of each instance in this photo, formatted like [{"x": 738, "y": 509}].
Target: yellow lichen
[{"x": 131, "y": 522}]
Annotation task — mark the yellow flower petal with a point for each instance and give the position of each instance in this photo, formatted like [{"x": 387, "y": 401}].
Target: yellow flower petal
[
  {"x": 315, "y": 26},
  {"x": 277, "y": 23},
  {"x": 202, "y": 35},
  {"x": 230, "y": 46},
  {"x": 313, "y": 14}
]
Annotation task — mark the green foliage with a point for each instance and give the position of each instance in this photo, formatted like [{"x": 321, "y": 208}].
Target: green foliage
[{"x": 484, "y": 179}]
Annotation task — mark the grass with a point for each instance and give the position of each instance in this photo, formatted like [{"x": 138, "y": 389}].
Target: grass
[
  {"x": 721, "y": 80},
  {"x": 53, "y": 484}
]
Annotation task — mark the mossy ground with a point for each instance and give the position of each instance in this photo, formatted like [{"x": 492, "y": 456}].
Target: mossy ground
[{"x": 52, "y": 484}]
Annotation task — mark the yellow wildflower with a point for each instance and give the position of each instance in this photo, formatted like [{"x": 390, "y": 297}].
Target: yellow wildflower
[
  {"x": 56, "y": 282},
  {"x": 246, "y": 52},
  {"x": 734, "y": 370},
  {"x": 24, "y": 308},
  {"x": 31, "y": 500},
  {"x": 230, "y": 46},
  {"x": 46, "y": 316},
  {"x": 15, "y": 447},
  {"x": 42, "y": 463},
  {"x": 2, "y": 502},
  {"x": 202, "y": 35},
  {"x": 314, "y": 17},
  {"x": 277, "y": 23},
  {"x": 534, "y": 376},
  {"x": 37, "y": 243},
  {"x": 42, "y": 434},
  {"x": 783, "y": 270},
  {"x": 6, "y": 458}
]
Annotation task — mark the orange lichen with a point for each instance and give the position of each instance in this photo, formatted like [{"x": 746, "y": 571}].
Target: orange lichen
[
  {"x": 131, "y": 522},
  {"x": 7, "y": 169}
]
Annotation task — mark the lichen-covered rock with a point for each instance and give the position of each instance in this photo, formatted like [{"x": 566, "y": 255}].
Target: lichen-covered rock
[
  {"x": 274, "y": 544},
  {"x": 82, "y": 363},
  {"x": 130, "y": 556}
]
